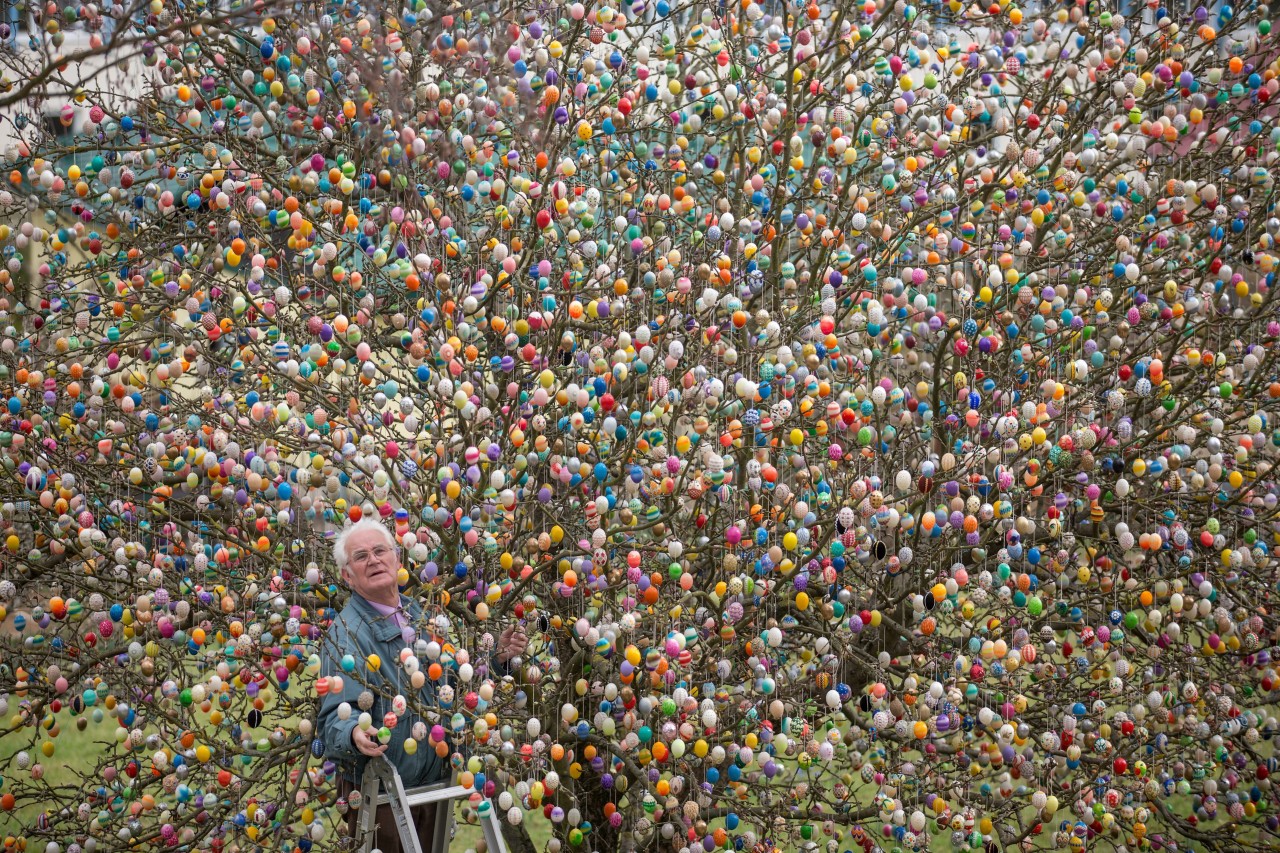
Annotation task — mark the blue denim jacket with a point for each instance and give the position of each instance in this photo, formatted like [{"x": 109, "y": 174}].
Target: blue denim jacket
[{"x": 359, "y": 631}]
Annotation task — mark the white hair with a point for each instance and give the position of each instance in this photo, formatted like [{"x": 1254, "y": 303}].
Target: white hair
[{"x": 340, "y": 544}]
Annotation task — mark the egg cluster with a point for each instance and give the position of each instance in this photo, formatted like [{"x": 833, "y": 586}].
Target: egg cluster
[{"x": 868, "y": 410}]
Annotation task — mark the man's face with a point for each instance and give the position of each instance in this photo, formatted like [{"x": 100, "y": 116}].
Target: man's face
[{"x": 372, "y": 567}]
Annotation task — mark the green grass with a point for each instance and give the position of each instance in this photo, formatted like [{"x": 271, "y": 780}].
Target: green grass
[{"x": 76, "y": 749}]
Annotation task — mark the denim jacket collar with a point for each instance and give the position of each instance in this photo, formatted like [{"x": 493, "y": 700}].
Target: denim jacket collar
[{"x": 383, "y": 629}]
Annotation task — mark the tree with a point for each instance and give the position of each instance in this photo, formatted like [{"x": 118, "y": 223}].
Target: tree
[{"x": 870, "y": 410}]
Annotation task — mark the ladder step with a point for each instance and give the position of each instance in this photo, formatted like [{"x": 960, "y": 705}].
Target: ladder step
[{"x": 429, "y": 794}]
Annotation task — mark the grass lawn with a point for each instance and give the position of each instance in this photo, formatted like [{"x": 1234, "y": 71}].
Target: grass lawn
[{"x": 74, "y": 750}]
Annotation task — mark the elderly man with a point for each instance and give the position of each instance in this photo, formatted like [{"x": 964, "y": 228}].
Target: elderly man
[{"x": 379, "y": 621}]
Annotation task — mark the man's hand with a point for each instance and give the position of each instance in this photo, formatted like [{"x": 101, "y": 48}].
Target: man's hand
[
  {"x": 366, "y": 743},
  {"x": 512, "y": 642}
]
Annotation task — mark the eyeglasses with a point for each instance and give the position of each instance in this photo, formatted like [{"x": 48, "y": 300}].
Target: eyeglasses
[{"x": 359, "y": 558}]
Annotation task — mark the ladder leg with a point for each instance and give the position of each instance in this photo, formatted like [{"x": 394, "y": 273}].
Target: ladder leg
[
  {"x": 368, "y": 808},
  {"x": 442, "y": 827},
  {"x": 491, "y": 828},
  {"x": 409, "y": 841}
]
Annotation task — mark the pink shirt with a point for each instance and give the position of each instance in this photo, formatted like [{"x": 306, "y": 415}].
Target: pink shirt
[{"x": 396, "y": 615}]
